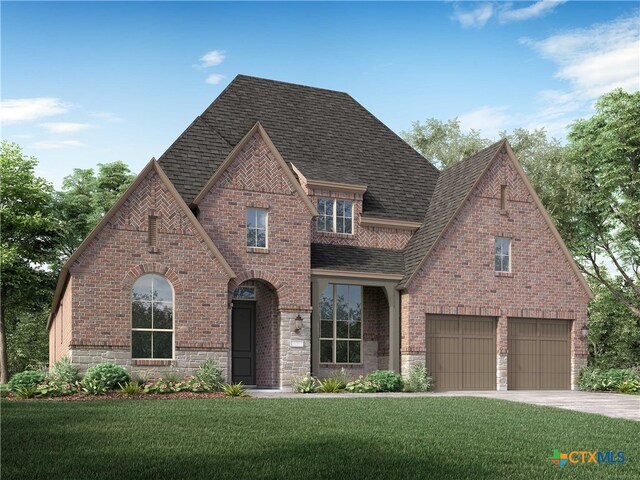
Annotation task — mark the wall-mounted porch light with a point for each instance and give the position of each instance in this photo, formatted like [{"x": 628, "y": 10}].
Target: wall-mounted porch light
[
  {"x": 585, "y": 331},
  {"x": 298, "y": 325}
]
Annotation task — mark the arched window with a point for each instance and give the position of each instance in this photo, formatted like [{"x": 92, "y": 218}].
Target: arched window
[{"x": 152, "y": 318}]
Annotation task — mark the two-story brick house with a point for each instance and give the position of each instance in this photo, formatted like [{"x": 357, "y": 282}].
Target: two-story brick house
[{"x": 288, "y": 231}]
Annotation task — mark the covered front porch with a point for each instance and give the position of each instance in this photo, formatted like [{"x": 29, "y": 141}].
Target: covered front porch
[{"x": 355, "y": 323}]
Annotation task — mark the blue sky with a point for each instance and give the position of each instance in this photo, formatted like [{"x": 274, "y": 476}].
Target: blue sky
[{"x": 87, "y": 83}]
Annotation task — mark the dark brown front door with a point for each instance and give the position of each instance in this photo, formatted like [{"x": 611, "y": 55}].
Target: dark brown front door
[
  {"x": 539, "y": 354},
  {"x": 461, "y": 352},
  {"x": 243, "y": 342}
]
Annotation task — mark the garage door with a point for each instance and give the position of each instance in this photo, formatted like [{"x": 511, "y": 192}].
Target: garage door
[
  {"x": 461, "y": 352},
  {"x": 539, "y": 354}
]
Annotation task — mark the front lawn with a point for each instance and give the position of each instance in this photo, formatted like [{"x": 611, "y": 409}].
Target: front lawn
[{"x": 350, "y": 438}]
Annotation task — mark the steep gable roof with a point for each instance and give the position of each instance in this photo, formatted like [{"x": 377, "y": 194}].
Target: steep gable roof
[
  {"x": 257, "y": 128},
  {"x": 453, "y": 188},
  {"x": 151, "y": 166},
  {"x": 326, "y": 134}
]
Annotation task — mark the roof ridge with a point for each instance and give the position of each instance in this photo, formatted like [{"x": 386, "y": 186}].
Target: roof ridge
[{"x": 311, "y": 87}]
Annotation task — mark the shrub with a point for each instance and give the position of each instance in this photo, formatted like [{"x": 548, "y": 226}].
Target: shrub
[
  {"x": 306, "y": 384},
  {"x": 418, "y": 379},
  {"x": 64, "y": 371},
  {"x": 131, "y": 388},
  {"x": 94, "y": 386},
  {"x": 235, "y": 390},
  {"x": 26, "y": 391},
  {"x": 361, "y": 385},
  {"x": 342, "y": 377},
  {"x": 331, "y": 385},
  {"x": 142, "y": 377},
  {"x": 160, "y": 386},
  {"x": 629, "y": 385},
  {"x": 386, "y": 381},
  {"x": 594, "y": 379},
  {"x": 109, "y": 375},
  {"x": 27, "y": 379},
  {"x": 210, "y": 374},
  {"x": 172, "y": 376},
  {"x": 57, "y": 388}
]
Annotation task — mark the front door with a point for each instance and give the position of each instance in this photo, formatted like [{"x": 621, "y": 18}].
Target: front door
[{"x": 243, "y": 342}]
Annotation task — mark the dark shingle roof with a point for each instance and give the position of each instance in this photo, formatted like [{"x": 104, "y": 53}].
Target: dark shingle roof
[
  {"x": 453, "y": 187},
  {"x": 356, "y": 259},
  {"x": 326, "y": 134}
]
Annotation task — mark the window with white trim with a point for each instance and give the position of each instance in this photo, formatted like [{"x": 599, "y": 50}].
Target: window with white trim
[
  {"x": 503, "y": 254},
  {"x": 341, "y": 324},
  {"x": 152, "y": 318},
  {"x": 335, "y": 215},
  {"x": 257, "y": 227}
]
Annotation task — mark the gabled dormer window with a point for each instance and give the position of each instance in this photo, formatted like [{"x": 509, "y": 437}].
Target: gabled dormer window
[{"x": 335, "y": 215}]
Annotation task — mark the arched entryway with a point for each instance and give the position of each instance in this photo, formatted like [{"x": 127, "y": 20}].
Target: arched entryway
[{"x": 255, "y": 334}]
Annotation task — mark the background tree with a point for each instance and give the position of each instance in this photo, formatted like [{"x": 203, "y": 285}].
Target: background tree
[
  {"x": 28, "y": 239},
  {"x": 85, "y": 197},
  {"x": 603, "y": 227}
]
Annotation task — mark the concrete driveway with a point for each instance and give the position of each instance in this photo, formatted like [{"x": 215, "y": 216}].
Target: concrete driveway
[{"x": 610, "y": 404}]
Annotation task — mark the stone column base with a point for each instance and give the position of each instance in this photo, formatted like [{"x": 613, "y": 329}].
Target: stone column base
[
  {"x": 578, "y": 362},
  {"x": 295, "y": 347},
  {"x": 501, "y": 372},
  {"x": 408, "y": 360}
]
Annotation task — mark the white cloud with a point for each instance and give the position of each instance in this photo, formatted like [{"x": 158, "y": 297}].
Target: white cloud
[
  {"x": 214, "y": 78},
  {"x": 477, "y": 17},
  {"x": 65, "y": 127},
  {"x": 108, "y": 117},
  {"x": 595, "y": 60},
  {"x": 212, "y": 58},
  {"x": 488, "y": 120},
  {"x": 537, "y": 9},
  {"x": 56, "y": 144},
  {"x": 29, "y": 109}
]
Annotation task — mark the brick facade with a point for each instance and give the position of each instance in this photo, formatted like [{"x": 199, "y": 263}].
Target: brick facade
[
  {"x": 458, "y": 277},
  {"x": 104, "y": 274}
]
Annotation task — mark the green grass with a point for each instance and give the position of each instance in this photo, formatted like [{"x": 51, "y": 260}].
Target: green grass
[{"x": 388, "y": 438}]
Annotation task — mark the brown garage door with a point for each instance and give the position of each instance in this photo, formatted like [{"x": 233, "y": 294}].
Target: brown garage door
[
  {"x": 539, "y": 354},
  {"x": 461, "y": 352}
]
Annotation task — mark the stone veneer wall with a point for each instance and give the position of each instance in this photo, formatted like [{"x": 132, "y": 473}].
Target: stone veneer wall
[
  {"x": 458, "y": 278},
  {"x": 186, "y": 361},
  {"x": 295, "y": 347}
]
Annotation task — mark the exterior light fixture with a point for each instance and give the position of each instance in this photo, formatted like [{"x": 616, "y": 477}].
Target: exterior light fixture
[
  {"x": 585, "y": 331},
  {"x": 298, "y": 323}
]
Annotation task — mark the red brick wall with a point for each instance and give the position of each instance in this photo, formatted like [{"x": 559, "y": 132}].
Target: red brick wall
[
  {"x": 267, "y": 341},
  {"x": 372, "y": 237},
  {"x": 105, "y": 272},
  {"x": 60, "y": 330},
  {"x": 459, "y": 276},
  {"x": 375, "y": 312},
  {"x": 256, "y": 179}
]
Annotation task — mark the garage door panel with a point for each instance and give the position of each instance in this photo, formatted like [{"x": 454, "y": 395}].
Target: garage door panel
[
  {"x": 539, "y": 354},
  {"x": 461, "y": 352}
]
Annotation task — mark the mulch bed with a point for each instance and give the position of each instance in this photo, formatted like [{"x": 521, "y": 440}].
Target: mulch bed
[{"x": 79, "y": 397}]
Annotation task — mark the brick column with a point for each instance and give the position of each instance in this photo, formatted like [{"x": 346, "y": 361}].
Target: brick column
[{"x": 501, "y": 353}]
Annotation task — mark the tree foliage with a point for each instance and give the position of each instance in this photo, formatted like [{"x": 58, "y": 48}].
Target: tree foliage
[
  {"x": 603, "y": 227},
  {"x": 27, "y": 241}
]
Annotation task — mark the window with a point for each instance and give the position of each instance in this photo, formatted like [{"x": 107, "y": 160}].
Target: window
[
  {"x": 503, "y": 254},
  {"x": 341, "y": 324},
  {"x": 335, "y": 216},
  {"x": 152, "y": 318},
  {"x": 256, "y": 227},
  {"x": 245, "y": 292}
]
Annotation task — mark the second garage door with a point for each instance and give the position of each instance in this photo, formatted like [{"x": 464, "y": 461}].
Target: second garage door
[
  {"x": 539, "y": 354},
  {"x": 461, "y": 352}
]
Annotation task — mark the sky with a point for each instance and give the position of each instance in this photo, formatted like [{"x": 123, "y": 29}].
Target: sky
[{"x": 84, "y": 83}]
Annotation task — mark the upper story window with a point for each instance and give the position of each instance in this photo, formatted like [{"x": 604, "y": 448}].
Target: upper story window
[
  {"x": 257, "y": 227},
  {"x": 335, "y": 215},
  {"x": 503, "y": 254},
  {"x": 152, "y": 318}
]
